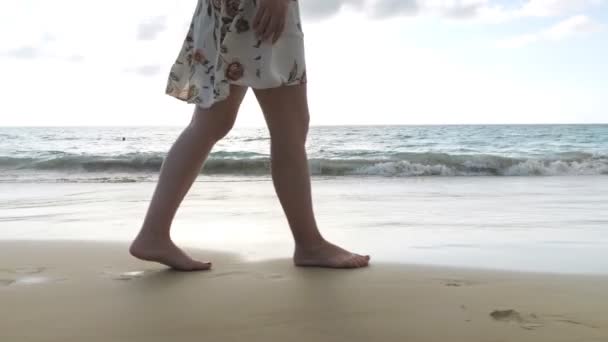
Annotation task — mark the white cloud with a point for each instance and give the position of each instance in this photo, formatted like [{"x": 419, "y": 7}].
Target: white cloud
[
  {"x": 573, "y": 26},
  {"x": 146, "y": 70},
  {"x": 487, "y": 10},
  {"x": 548, "y": 8},
  {"x": 462, "y": 9},
  {"x": 28, "y": 52},
  {"x": 25, "y": 52},
  {"x": 389, "y": 8},
  {"x": 151, "y": 28},
  {"x": 315, "y": 9}
]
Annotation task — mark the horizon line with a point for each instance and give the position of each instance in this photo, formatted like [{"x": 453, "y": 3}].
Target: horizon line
[{"x": 322, "y": 125}]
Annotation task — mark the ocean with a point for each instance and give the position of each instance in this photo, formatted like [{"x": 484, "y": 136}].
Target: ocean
[
  {"x": 99, "y": 154},
  {"x": 517, "y": 197}
]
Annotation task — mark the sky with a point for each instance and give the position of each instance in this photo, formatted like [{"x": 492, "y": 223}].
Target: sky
[{"x": 75, "y": 63}]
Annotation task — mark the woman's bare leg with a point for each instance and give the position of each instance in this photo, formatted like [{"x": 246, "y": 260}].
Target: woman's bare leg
[
  {"x": 286, "y": 113},
  {"x": 179, "y": 170}
]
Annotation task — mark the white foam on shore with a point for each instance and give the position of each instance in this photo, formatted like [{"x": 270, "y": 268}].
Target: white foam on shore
[{"x": 144, "y": 167}]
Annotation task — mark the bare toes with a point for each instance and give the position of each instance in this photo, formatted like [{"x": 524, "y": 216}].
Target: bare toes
[
  {"x": 328, "y": 255},
  {"x": 192, "y": 266},
  {"x": 361, "y": 261},
  {"x": 365, "y": 259},
  {"x": 202, "y": 266},
  {"x": 352, "y": 262}
]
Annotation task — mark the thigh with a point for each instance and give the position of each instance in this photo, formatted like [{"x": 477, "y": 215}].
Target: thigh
[
  {"x": 285, "y": 110},
  {"x": 220, "y": 117}
]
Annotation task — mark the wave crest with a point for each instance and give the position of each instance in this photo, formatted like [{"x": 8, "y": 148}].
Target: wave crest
[{"x": 394, "y": 165}]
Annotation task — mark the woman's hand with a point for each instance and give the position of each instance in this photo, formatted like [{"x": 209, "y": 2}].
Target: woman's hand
[{"x": 269, "y": 20}]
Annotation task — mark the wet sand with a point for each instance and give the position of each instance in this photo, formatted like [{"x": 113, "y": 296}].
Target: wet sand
[
  {"x": 87, "y": 291},
  {"x": 542, "y": 224}
]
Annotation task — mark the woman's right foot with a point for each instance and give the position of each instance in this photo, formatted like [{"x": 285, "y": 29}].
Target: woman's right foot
[
  {"x": 326, "y": 254},
  {"x": 164, "y": 251}
]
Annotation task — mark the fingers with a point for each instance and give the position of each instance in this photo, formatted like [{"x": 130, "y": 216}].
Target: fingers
[
  {"x": 273, "y": 25},
  {"x": 278, "y": 31},
  {"x": 258, "y": 18},
  {"x": 263, "y": 24},
  {"x": 274, "y": 29},
  {"x": 269, "y": 22}
]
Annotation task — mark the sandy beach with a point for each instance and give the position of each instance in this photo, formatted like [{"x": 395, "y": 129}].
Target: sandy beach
[
  {"x": 462, "y": 145},
  {"x": 454, "y": 259},
  {"x": 542, "y": 224},
  {"x": 87, "y": 291}
]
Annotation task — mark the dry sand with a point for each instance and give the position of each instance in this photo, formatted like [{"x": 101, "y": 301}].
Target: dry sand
[{"x": 83, "y": 291}]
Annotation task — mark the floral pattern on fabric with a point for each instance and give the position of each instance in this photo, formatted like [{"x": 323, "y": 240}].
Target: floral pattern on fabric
[{"x": 221, "y": 48}]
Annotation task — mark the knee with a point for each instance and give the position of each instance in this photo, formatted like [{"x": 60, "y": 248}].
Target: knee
[
  {"x": 220, "y": 131},
  {"x": 293, "y": 132},
  {"x": 300, "y": 132},
  {"x": 289, "y": 144},
  {"x": 212, "y": 126},
  {"x": 305, "y": 126}
]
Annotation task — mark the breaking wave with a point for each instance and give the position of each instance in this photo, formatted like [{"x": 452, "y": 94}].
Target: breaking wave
[{"x": 391, "y": 165}]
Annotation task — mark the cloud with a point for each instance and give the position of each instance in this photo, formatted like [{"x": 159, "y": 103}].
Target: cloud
[
  {"x": 568, "y": 28},
  {"x": 389, "y": 8},
  {"x": 315, "y": 9},
  {"x": 463, "y": 9},
  {"x": 33, "y": 52},
  {"x": 549, "y": 8},
  {"x": 25, "y": 52},
  {"x": 318, "y": 9},
  {"x": 44, "y": 49},
  {"x": 490, "y": 10},
  {"x": 145, "y": 70},
  {"x": 75, "y": 58},
  {"x": 151, "y": 28},
  {"x": 579, "y": 24},
  {"x": 47, "y": 37}
]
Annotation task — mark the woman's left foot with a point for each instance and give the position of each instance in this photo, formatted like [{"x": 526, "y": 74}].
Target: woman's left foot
[
  {"x": 164, "y": 251},
  {"x": 329, "y": 255}
]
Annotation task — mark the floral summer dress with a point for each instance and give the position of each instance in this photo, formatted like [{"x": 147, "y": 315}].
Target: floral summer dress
[{"x": 221, "y": 49}]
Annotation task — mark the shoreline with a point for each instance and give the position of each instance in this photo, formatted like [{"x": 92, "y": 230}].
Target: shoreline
[
  {"x": 548, "y": 224},
  {"x": 122, "y": 246}
]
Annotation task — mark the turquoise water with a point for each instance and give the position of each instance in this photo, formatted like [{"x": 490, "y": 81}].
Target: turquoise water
[
  {"x": 532, "y": 198},
  {"x": 76, "y": 153}
]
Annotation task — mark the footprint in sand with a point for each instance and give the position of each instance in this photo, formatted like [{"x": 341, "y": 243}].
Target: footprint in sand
[
  {"x": 533, "y": 321},
  {"x": 456, "y": 282},
  {"x": 30, "y": 270},
  {"x": 31, "y": 280},
  {"x": 228, "y": 273},
  {"x": 528, "y": 322},
  {"x": 129, "y": 275},
  {"x": 126, "y": 276},
  {"x": 465, "y": 310},
  {"x": 566, "y": 320},
  {"x": 23, "y": 270},
  {"x": 272, "y": 276},
  {"x": 275, "y": 276},
  {"x": 25, "y": 276},
  {"x": 6, "y": 282},
  {"x": 138, "y": 274}
]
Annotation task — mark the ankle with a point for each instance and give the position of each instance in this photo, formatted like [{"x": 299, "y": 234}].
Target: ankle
[
  {"x": 310, "y": 243},
  {"x": 149, "y": 234}
]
